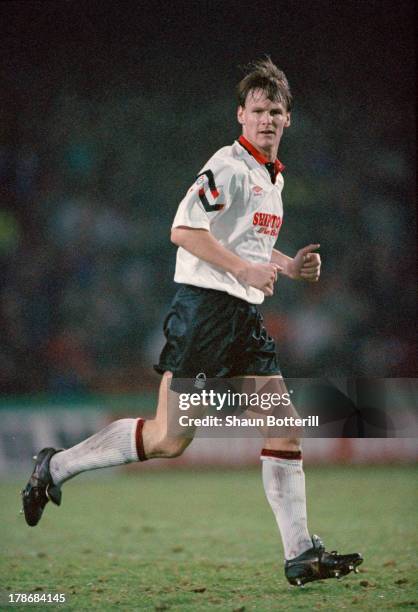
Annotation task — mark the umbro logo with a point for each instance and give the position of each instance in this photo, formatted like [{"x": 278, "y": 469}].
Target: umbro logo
[{"x": 257, "y": 190}]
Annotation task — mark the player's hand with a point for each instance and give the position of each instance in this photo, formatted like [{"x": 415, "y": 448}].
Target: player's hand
[
  {"x": 261, "y": 276},
  {"x": 306, "y": 265}
]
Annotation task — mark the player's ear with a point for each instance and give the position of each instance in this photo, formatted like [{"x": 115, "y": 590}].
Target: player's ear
[
  {"x": 288, "y": 121},
  {"x": 240, "y": 115}
]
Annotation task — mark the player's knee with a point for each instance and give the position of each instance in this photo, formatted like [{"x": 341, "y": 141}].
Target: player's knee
[
  {"x": 173, "y": 447},
  {"x": 178, "y": 447},
  {"x": 157, "y": 443},
  {"x": 295, "y": 443}
]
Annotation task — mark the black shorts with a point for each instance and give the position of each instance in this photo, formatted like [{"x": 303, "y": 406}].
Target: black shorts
[{"x": 215, "y": 333}]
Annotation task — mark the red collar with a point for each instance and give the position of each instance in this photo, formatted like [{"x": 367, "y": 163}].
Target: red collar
[{"x": 278, "y": 166}]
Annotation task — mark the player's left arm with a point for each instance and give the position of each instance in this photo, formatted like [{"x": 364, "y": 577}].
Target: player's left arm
[{"x": 305, "y": 265}]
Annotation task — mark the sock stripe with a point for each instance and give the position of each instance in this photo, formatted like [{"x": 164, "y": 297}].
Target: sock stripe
[
  {"x": 139, "y": 440},
  {"x": 281, "y": 454}
]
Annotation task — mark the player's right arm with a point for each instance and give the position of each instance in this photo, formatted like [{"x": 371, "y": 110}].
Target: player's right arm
[{"x": 202, "y": 244}]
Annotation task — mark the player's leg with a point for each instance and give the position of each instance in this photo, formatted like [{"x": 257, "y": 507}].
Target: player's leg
[
  {"x": 282, "y": 468},
  {"x": 283, "y": 475},
  {"x": 284, "y": 485},
  {"x": 121, "y": 442}
]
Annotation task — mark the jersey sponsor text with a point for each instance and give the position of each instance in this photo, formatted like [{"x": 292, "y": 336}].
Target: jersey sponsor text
[{"x": 269, "y": 224}]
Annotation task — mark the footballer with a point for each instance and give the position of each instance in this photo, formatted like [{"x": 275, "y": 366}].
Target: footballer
[{"x": 225, "y": 229}]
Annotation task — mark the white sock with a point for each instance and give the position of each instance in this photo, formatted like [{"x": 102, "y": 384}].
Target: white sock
[
  {"x": 284, "y": 484},
  {"x": 113, "y": 445}
]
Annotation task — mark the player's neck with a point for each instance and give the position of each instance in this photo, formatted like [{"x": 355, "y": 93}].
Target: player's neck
[{"x": 269, "y": 154}]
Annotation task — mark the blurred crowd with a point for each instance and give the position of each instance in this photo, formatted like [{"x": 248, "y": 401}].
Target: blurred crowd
[{"x": 89, "y": 188}]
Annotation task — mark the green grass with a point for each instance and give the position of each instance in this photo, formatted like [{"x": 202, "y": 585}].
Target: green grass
[{"x": 189, "y": 541}]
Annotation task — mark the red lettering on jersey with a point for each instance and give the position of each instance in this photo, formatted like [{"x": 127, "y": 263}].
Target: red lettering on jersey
[{"x": 266, "y": 221}]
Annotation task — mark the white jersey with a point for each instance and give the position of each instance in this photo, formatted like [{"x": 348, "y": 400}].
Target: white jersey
[{"x": 234, "y": 198}]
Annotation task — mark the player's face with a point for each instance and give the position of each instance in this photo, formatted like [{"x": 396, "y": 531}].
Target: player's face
[{"x": 263, "y": 122}]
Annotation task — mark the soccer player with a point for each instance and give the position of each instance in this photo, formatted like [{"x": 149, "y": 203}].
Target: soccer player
[{"x": 225, "y": 227}]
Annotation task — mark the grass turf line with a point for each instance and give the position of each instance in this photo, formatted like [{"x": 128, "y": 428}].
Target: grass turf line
[{"x": 188, "y": 541}]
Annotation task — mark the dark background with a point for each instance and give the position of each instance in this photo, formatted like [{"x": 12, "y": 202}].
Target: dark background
[{"x": 109, "y": 110}]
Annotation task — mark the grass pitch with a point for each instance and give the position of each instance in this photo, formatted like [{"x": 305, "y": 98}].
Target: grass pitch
[{"x": 190, "y": 541}]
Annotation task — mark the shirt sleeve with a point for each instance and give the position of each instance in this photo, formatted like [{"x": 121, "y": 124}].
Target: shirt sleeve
[{"x": 210, "y": 195}]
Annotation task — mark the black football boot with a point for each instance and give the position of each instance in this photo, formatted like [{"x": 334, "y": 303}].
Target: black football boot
[
  {"x": 40, "y": 488},
  {"x": 317, "y": 564}
]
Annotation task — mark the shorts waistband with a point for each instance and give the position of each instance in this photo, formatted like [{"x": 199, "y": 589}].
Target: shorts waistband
[{"x": 196, "y": 290}]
